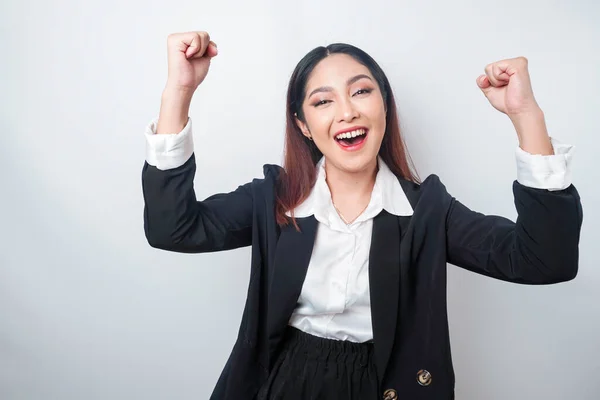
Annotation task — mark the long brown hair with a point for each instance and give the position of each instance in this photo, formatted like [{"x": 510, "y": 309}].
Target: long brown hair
[{"x": 302, "y": 155}]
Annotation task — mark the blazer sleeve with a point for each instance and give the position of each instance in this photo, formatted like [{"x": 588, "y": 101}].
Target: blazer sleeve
[
  {"x": 174, "y": 220},
  {"x": 541, "y": 247}
]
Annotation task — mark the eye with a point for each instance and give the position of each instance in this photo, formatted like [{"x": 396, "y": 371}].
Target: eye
[
  {"x": 320, "y": 103},
  {"x": 361, "y": 91}
]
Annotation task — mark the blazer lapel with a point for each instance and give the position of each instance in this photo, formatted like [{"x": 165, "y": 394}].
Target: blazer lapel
[
  {"x": 384, "y": 282},
  {"x": 292, "y": 256}
]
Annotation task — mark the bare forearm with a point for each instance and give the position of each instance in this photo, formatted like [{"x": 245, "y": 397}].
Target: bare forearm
[
  {"x": 532, "y": 133},
  {"x": 174, "y": 110}
]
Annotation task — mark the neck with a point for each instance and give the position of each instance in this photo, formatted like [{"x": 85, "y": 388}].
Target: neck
[{"x": 350, "y": 187}]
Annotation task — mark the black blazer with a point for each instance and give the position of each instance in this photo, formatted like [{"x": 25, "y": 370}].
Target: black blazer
[{"x": 407, "y": 266}]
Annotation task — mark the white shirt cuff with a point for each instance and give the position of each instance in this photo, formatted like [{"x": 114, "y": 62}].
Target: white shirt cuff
[
  {"x": 551, "y": 172},
  {"x": 168, "y": 151}
]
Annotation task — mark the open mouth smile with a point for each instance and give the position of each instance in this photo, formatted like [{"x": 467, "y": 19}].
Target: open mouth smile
[{"x": 352, "y": 140}]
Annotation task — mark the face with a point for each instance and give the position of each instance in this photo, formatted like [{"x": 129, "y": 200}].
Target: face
[{"x": 344, "y": 113}]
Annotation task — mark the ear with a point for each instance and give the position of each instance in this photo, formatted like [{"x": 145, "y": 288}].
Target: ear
[{"x": 303, "y": 127}]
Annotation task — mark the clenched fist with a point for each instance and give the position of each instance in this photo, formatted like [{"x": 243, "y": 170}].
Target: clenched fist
[
  {"x": 507, "y": 86},
  {"x": 189, "y": 56}
]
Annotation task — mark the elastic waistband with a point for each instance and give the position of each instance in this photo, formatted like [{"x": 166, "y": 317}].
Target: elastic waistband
[{"x": 295, "y": 338}]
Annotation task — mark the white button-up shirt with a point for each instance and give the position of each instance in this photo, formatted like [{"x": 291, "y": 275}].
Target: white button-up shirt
[{"x": 335, "y": 300}]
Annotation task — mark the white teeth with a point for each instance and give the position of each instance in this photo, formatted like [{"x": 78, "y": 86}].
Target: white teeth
[{"x": 352, "y": 134}]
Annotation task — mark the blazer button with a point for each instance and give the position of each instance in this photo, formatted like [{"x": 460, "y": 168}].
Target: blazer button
[
  {"x": 390, "y": 394},
  {"x": 424, "y": 377}
]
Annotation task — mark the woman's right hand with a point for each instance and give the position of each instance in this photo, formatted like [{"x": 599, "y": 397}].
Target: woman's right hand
[{"x": 189, "y": 55}]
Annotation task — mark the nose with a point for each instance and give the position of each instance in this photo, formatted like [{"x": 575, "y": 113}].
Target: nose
[{"x": 347, "y": 111}]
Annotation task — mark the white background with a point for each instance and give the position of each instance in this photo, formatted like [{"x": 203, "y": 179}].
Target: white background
[{"x": 88, "y": 310}]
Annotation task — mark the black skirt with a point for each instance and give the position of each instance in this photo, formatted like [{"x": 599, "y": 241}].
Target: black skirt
[{"x": 310, "y": 367}]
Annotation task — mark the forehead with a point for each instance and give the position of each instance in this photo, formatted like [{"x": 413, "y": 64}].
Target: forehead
[{"x": 334, "y": 70}]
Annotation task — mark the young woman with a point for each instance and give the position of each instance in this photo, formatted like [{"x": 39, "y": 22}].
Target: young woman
[{"x": 347, "y": 292}]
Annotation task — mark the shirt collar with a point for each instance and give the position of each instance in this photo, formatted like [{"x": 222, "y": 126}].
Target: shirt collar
[{"x": 387, "y": 195}]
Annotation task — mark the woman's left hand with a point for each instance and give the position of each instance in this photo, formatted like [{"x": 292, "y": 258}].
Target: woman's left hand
[{"x": 507, "y": 86}]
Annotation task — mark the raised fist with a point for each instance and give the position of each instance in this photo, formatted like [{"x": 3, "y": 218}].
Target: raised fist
[{"x": 189, "y": 56}]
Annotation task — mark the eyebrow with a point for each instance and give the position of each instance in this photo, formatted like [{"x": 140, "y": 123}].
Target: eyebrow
[{"x": 348, "y": 83}]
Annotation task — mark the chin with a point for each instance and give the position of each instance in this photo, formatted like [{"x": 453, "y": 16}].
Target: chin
[{"x": 353, "y": 163}]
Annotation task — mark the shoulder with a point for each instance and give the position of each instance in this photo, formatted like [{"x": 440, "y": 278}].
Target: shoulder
[
  {"x": 431, "y": 190},
  {"x": 271, "y": 176},
  {"x": 272, "y": 171}
]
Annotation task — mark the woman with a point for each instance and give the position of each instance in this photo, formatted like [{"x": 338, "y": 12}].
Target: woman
[{"x": 347, "y": 292}]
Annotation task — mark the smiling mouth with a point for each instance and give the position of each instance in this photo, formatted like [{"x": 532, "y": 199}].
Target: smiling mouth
[{"x": 351, "y": 140}]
